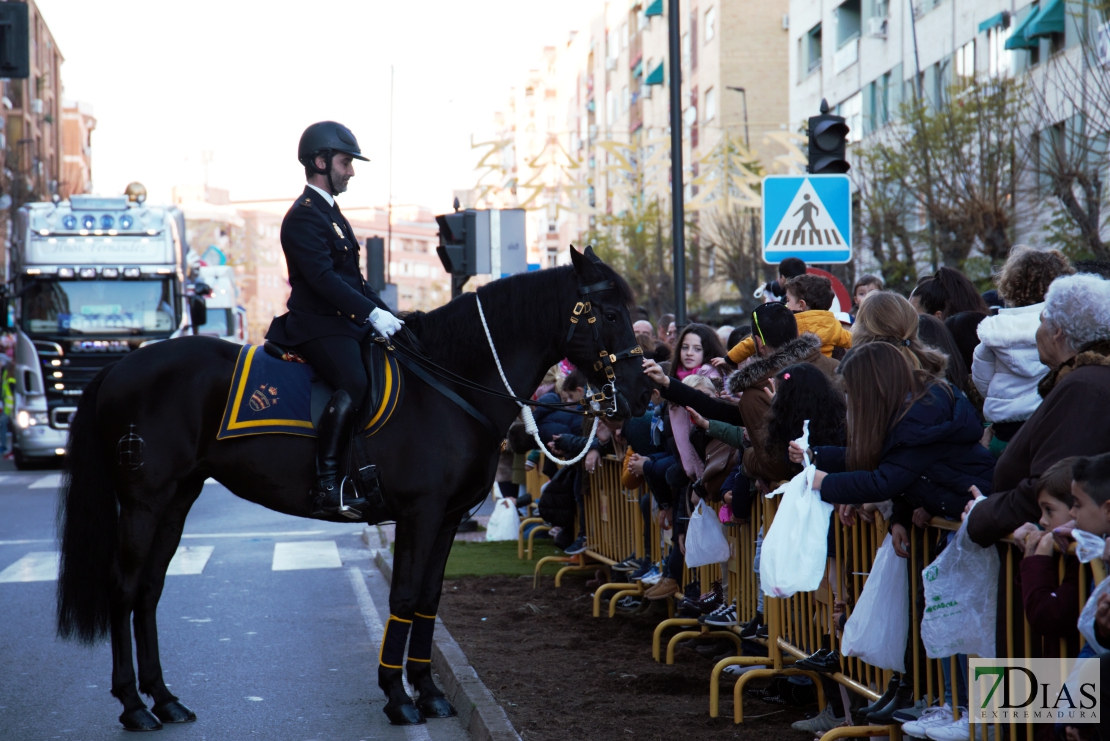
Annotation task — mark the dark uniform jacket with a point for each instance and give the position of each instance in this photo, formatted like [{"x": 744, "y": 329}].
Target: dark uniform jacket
[{"x": 329, "y": 295}]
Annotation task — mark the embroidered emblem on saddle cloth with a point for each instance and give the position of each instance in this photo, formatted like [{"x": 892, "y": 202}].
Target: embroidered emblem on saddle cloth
[{"x": 270, "y": 396}]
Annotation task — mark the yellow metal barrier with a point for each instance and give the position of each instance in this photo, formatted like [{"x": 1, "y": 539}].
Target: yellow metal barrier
[{"x": 534, "y": 481}]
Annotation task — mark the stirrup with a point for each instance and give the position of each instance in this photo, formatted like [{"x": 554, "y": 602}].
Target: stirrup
[{"x": 349, "y": 512}]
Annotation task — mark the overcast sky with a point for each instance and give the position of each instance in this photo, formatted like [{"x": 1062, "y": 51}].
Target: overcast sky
[{"x": 242, "y": 78}]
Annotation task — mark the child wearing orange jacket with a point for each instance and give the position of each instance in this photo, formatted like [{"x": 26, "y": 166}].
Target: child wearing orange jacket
[{"x": 810, "y": 297}]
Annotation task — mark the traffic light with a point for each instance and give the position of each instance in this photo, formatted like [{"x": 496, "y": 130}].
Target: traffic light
[
  {"x": 375, "y": 264},
  {"x": 458, "y": 246},
  {"x": 15, "y": 55},
  {"x": 828, "y": 142}
]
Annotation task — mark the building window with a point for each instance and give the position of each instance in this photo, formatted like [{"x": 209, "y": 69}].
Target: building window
[
  {"x": 624, "y": 99},
  {"x": 710, "y": 104},
  {"x": 624, "y": 35},
  {"x": 610, "y": 107},
  {"x": 710, "y": 24},
  {"x": 811, "y": 49},
  {"x": 965, "y": 60},
  {"x": 852, "y": 111},
  {"x": 847, "y": 22},
  {"x": 686, "y": 46}
]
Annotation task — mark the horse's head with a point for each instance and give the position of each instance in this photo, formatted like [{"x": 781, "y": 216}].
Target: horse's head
[{"x": 602, "y": 343}]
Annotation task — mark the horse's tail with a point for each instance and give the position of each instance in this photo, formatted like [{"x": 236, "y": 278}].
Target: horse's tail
[{"x": 87, "y": 524}]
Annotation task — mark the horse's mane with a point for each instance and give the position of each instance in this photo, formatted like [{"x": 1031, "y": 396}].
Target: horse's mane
[{"x": 517, "y": 303}]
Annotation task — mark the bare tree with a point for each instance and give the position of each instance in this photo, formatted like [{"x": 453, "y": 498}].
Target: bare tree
[
  {"x": 734, "y": 236},
  {"x": 884, "y": 205},
  {"x": 1068, "y": 119}
]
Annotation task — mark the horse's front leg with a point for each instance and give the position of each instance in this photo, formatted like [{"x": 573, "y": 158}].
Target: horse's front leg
[
  {"x": 431, "y": 701},
  {"x": 417, "y": 535}
]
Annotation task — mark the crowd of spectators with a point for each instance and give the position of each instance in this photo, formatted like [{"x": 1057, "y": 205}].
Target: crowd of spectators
[{"x": 991, "y": 408}]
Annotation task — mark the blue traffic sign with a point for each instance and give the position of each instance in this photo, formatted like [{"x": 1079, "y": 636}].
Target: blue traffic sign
[{"x": 807, "y": 216}]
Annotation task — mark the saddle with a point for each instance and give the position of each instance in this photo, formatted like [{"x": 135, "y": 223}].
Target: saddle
[{"x": 276, "y": 392}]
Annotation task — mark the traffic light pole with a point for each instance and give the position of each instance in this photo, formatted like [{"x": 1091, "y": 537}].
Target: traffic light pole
[{"x": 678, "y": 228}]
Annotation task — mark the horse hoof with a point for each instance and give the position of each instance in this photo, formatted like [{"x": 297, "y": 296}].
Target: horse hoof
[
  {"x": 140, "y": 720},
  {"x": 174, "y": 712},
  {"x": 404, "y": 715},
  {"x": 436, "y": 707}
]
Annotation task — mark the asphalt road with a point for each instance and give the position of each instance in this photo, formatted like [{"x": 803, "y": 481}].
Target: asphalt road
[{"x": 261, "y": 636}]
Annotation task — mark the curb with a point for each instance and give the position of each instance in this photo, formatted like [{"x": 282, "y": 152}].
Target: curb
[{"x": 483, "y": 717}]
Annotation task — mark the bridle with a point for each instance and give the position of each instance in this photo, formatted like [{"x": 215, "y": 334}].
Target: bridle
[{"x": 584, "y": 310}]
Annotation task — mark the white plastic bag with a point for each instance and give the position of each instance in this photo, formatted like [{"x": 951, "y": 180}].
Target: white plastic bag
[
  {"x": 795, "y": 548},
  {"x": 878, "y": 627},
  {"x": 504, "y": 522},
  {"x": 961, "y": 596},
  {"x": 705, "y": 540},
  {"x": 1087, "y": 618}
]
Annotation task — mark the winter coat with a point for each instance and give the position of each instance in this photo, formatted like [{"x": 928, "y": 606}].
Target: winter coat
[
  {"x": 930, "y": 459},
  {"x": 824, "y": 324},
  {"x": 556, "y": 421},
  {"x": 1073, "y": 419},
  {"x": 1051, "y": 604},
  {"x": 755, "y": 404},
  {"x": 1006, "y": 366}
]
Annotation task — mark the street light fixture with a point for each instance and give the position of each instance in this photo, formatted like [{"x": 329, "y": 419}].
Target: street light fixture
[{"x": 744, "y": 92}]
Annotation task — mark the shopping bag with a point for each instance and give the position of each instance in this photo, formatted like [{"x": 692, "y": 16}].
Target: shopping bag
[
  {"x": 705, "y": 539},
  {"x": 796, "y": 546},
  {"x": 504, "y": 521},
  {"x": 1087, "y": 618},
  {"x": 877, "y": 629},
  {"x": 961, "y": 595}
]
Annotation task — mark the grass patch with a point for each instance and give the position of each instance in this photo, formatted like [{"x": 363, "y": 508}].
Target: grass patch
[{"x": 494, "y": 559}]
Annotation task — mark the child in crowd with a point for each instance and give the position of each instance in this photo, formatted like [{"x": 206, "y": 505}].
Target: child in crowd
[
  {"x": 810, "y": 297},
  {"x": 1090, "y": 491},
  {"x": 865, "y": 285},
  {"x": 1051, "y": 604},
  {"x": 694, "y": 348}
]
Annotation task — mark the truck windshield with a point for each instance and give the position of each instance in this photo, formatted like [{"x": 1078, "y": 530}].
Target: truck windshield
[
  {"x": 220, "y": 323},
  {"x": 98, "y": 307}
]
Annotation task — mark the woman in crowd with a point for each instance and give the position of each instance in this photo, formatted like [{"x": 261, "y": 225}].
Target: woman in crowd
[
  {"x": 887, "y": 317},
  {"x": 947, "y": 293},
  {"x": 1007, "y": 365},
  {"x": 1073, "y": 340}
]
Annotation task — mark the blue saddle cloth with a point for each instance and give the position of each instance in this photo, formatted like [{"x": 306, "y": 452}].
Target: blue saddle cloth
[{"x": 270, "y": 396}]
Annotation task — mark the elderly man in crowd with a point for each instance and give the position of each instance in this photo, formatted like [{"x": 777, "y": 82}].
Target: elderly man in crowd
[{"x": 1074, "y": 419}]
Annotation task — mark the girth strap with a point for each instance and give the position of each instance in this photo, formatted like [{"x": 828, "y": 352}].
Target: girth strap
[{"x": 461, "y": 402}]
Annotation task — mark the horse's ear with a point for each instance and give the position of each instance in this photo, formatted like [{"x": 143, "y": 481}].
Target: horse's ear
[
  {"x": 591, "y": 256},
  {"x": 577, "y": 260}
]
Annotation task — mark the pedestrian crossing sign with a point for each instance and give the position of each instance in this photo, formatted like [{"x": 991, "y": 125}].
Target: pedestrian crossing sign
[{"x": 807, "y": 216}]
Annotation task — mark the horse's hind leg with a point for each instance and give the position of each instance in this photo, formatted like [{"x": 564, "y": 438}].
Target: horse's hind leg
[
  {"x": 137, "y": 529},
  {"x": 431, "y": 702},
  {"x": 166, "y": 706}
]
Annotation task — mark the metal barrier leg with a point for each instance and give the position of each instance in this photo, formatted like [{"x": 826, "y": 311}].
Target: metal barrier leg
[
  {"x": 894, "y": 731},
  {"x": 715, "y": 678},
  {"x": 550, "y": 559},
  {"x": 703, "y": 633},
  {"x": 532, "y": 537},
  {"x": 657, "y": 636},
  {"x": 520, "y": 536},
  {"x": 631, "y": 592},
  {"x": 738, "y": 697},
  {"x": 621, "y": 587},
  {"x": 580, "y": 566}
]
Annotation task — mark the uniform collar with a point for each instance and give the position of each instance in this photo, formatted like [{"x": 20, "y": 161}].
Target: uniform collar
[{"x": 327, "y": 196}]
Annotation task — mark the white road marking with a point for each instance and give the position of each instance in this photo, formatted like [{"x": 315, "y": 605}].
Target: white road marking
[
  {"x": 189, "y": 559},
  {"x": 50, "y": 481},
  {"x": 306, "y": 554},
  {"x": 274, "y": 534},
  {"x": 26, "y": 542},
  {"x": 35, "y": 566},
  {"x": 377, "y": 630}
]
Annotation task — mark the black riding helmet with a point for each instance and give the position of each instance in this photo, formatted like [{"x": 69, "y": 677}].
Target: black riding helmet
[{"x": 327, "y": 138}]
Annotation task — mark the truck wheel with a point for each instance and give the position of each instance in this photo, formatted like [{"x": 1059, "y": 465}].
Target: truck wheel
[{"x": 21, "y": 461}]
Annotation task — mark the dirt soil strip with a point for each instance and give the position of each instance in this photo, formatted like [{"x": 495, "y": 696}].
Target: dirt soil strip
[{"x": 561, "y": 674}]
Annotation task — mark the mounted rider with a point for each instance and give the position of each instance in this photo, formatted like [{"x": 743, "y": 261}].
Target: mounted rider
[{"x": 331, "y": 308}]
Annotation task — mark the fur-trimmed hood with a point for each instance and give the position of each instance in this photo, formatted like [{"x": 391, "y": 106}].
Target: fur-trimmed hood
[
  {"x": 1097, "y": 353},
  {"x": 795, "y": 351}
]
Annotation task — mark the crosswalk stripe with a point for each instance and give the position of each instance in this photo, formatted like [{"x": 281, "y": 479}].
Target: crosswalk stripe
[
  {"x": 271, "y": 534},
  {"x": 307, "y": 554},
  {"x": 189, "y": 559},
  {"x": 35, "y": 566},
  {"x": 50, "y": 481}
]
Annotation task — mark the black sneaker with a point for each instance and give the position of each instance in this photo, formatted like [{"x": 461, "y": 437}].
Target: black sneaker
[
  {"x": 643, "y": 571},
  {"x": 628, "y": 565},
  {"x": 749, "y": 629},
  {"x": 578, "y": 546},
  {"x": 723, "y": 617}
]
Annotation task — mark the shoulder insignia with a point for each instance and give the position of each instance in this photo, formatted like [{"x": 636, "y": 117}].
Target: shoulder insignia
[
  {"x": 337, "y": 229},
  {"x": 307, "y": 202}
]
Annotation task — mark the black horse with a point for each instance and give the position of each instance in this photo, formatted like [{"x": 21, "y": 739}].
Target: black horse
[{"x": 121, "y": 518}]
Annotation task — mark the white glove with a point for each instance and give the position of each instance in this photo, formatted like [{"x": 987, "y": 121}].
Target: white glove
[{"x": 384, "y": 322}]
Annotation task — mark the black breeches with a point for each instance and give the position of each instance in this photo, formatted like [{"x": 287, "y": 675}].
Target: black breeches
[{"x": 338, "y": 360}]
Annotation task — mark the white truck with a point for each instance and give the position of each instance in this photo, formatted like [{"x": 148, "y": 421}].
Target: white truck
[{"x": 91, "y": 279}]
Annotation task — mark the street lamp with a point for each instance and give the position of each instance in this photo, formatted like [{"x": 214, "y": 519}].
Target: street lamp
[{"x": 744, "y": 92}]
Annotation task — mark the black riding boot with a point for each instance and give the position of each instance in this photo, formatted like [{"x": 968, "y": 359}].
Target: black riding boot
[{"x": 334, "y": 432}]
